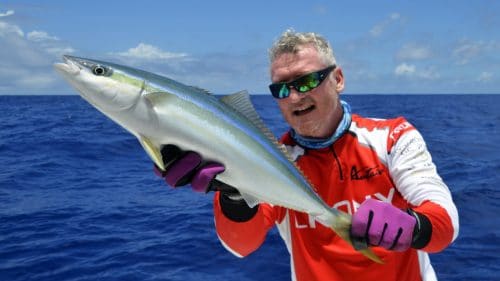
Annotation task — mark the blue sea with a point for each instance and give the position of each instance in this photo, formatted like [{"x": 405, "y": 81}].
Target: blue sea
[{"x": 79, "y": 199}]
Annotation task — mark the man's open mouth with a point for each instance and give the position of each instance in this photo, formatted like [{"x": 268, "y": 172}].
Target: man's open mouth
[{"x": 304, "y": 111}]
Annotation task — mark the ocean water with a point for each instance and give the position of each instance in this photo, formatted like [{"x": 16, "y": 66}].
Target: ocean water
[{"x": 79, "y": 200}]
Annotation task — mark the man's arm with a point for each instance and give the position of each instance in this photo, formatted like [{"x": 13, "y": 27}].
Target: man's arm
[
  {"x": 416, "y": 178},
  {"x": 241, "y": 229}
]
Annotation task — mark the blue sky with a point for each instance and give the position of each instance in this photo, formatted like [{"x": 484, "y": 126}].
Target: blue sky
[{"x": 383, "y": 46}]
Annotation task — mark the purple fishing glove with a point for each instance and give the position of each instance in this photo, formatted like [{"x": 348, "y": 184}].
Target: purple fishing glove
[
  {"x": 184, "y": 168},
  {"x": 187, "y": 168},
  {"x": 378, "y": 223}
]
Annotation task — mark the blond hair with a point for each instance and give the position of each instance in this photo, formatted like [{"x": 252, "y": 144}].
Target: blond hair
[{"x": 291, "y": 42}]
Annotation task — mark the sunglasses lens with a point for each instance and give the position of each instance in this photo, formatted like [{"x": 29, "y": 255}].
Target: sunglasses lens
[
  {"x": 279, "y": 90},
  {"x": 284, "y": 92},
  {"x": 308, "y": 83}
]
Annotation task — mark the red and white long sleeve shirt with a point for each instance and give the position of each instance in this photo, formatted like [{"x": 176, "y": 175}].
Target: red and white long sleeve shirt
[{"x": 383, "y": 159}]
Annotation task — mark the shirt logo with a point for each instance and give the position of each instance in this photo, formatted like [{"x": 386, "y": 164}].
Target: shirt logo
[
  {"x": 401, "y": 128},
  {"x": 365, "y": 173}
]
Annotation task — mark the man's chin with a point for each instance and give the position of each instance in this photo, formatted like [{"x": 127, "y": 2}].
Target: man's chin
[{"x": 307, "y": 129}]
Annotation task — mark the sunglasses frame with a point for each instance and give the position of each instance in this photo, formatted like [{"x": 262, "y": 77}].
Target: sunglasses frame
[{"x": 320, "y": 75}]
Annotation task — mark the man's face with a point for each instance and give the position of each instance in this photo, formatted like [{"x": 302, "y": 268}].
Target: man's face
[{"x": 315, "y": 113}]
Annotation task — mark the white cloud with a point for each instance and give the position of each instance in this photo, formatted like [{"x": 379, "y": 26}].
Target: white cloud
[
  {"x": 410, "y": 71},
  {"x": 7, "y": 29},
  {"x": 485, "y": 76},
  {"x": 34, "y": 41},
  {"x": 36, "y": 81},
  {"x": 468, "y": 50},
  {"x": 380, "y": 27},
  {"x": 26, "y": 59},
  {"x": 16, "y": 51},
  {"x": 51, "y": 44},
  {"x": 150, "y": 53},
  {"x": 429, "y": 74},
  {"x": 17, "y": 78},
  {"x": 405, "y": 70},
  {"x": 6, "y": 14},
  {"x": 40, "y": 36},
  {"x": 413, "y": 52}
]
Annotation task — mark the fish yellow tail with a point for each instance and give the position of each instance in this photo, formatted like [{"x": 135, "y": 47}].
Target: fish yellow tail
[{"x": 342, "y": 227}]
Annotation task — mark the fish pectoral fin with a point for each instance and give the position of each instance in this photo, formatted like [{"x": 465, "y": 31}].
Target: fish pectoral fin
[
  {"x": 157, "y": 98},
  {"x": 153, "y": 151}
]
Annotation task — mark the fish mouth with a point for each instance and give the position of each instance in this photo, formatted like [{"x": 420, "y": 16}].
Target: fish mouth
[
  {"x": 304, "y": 110},
  {"x": 68, "y": 67}
]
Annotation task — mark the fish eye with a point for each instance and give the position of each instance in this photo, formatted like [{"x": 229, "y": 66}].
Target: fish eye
[{"x": 99, "y": 70}]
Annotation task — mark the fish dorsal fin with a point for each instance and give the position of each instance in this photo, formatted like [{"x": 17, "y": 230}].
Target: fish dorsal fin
[{"x": 241, "y": 102}]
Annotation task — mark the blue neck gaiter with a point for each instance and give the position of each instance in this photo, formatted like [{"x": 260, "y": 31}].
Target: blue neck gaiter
[{"x": 318, "y": 143}]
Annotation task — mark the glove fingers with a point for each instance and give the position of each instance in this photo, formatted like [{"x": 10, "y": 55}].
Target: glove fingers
[
  {"x": 390, "y": 238},
  {"x": 205, "y": 175},
  {"x": 401, "y": 238},
  {"x": 404, "y": 241},
  {"x": 181, "y": 170},
  {"x": 361, "y": 221},
  {"x": 377, "y": 234}
]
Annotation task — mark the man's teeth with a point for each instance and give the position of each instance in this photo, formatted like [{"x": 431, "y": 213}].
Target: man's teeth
[{"x": 303, "y": 110}]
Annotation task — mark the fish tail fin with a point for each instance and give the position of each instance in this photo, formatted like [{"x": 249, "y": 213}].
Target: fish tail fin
[{"x": 342, "y": 227}]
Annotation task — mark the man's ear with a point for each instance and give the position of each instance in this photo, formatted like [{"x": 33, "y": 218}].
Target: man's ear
[{"x": 339, "y": 77}]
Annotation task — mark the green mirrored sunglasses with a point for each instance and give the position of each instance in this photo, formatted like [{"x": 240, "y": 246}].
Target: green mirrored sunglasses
[{"x": 302, "y": 84}]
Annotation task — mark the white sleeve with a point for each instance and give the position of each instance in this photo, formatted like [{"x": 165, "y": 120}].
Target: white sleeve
[{"x": 415, "y": 175}]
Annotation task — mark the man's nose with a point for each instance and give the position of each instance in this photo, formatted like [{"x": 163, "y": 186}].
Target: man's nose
[{"x": 295, "y": 95}]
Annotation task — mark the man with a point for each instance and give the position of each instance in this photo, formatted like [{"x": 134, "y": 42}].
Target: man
[{"x": 380, "y": 171}]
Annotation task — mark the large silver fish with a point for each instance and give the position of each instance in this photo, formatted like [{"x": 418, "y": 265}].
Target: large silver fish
[{"x": 158, "y": 111}]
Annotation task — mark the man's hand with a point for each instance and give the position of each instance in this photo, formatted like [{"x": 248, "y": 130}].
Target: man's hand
[
  {"x": 378, "y": 223},
  {"x": 187, "y": 167}
]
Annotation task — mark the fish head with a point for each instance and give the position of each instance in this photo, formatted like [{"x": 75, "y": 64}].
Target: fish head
[{"x": 107, "y": 86}]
